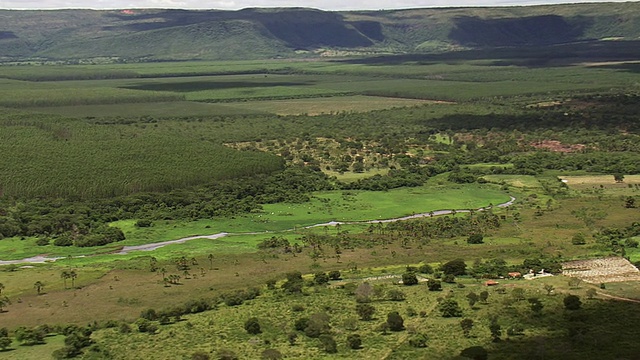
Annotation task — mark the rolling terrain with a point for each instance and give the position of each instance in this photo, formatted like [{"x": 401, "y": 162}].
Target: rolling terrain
[{"x": 156, "y": 34}]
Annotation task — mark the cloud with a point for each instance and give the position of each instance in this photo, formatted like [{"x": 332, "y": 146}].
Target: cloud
[{"x": 239, "y": 4}]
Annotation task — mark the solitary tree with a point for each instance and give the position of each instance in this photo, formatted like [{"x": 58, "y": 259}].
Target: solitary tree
[
  {"x": 395, "y": 321},
  {"x": 354, "y": 341},
  {"x": 252, "y": 326},
  {"x": 1, "y": 288},
  {"x": 472, "y": 298},
  {"x": 475, "y": 239},
  {"x": 329, "y": 345},
  {"x": 449, "y": 308},
  {"x": 409, "y": 278},
  {"x": 572, "y": 302},
  {"x": 455, "y": 267},
  {"x": 39, "y": 286},
  {"x": 466, "y": 325},
  {"x": 618, "y": 177},
  {"x": 210, "y": 257},
  {"x": 5, "y": 342}
]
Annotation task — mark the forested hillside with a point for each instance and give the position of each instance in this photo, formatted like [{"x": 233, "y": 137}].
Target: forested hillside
[{"x": 154, "y": 34}]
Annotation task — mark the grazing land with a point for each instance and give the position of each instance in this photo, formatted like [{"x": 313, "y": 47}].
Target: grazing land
[{"x": 281, "y": 172}]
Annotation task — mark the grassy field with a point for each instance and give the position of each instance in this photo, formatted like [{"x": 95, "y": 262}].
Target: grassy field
[
  {"x": 329, "y": 105},
  {"x": 343, "y": 206},
  {"x": 604, "y": 184},
  {"x": 519, "y": 181}
]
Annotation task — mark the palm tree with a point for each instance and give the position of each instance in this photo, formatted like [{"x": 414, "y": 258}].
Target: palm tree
[
  {"x": 73, "y": 276},
  {"x": 1, "y": 288},
  {"x": 64, "y": 275},
  {"x": 39, "y": 285},
  {"x": 210, "y": 257}
]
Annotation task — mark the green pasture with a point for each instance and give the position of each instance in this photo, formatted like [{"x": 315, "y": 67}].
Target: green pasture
[
  {"x": 519, "y": 181},
  {"x": 603, "y": 184},
  {"x": 345, "y": 206},
  {"x": 152, "y": 109},
  {"x": 327, "y": 105}
]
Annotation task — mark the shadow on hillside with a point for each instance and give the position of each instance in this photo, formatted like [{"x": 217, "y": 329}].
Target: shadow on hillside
[
  {"x": 601, "y": 330},
  {"x": 298, "y": 28},
  {"x": 526, "y": 56},
  {"x": 632, "y": 68},
  {"x": 534, "y": 30},
  {"x": 189, "y": 86}
]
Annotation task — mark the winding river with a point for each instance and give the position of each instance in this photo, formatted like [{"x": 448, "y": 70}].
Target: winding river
[{"x": 154, "y": 246}]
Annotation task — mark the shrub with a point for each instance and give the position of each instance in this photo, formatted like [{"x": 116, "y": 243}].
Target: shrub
[
  {"x": 578, "y": 239},
  {"x": 418, "y": 340},
  {"x": 252, "y": 326},
  {"x": 144, "y": 223},
  {"x": 409, "y": 278},
  {"x": 334, "y": 275},
  {"x": 572, "y": 302},
  {"x": 271, "y": 354},
  {"x": 455, "y": 267},
  {"x": 449, "y": 308},
  {"x": 475, "y": 239},
  {"x": 318, "y": 324},
  {"x": 434, "y": 285},
  {"x": 146, "y": 326},
  {"x": 354, "y": 341},
  {"x": 395, "y": 321},
  {"x": 365, "y": 311},
  {"x": 329, "y": 345},
  {"x": 294, "y": 283},
  {"x": 475, "y": 353},
  {"x": 301, "y": 324},
  {"x": 425, "y": 269},
  {"x": 43, "y": 241},
  {"x": 226, "y": 354},
  {"x": 396, "y": 295},
  {"x": 200, "y": 355},
  {"x": 321, "y": 278},
  {"x": 449, "y": 279}
]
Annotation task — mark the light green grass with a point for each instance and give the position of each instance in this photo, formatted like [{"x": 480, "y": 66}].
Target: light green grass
[
  {"x": 328, "y": 105},
  {"x": 520, "y": 181},
  {"x": 157, "y": 110}
]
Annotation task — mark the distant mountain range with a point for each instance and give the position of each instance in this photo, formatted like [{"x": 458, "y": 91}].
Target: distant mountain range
[{"x": 156, "y": 34}]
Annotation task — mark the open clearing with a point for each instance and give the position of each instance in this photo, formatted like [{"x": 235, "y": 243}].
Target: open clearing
[{"x": 589, "y": 181}]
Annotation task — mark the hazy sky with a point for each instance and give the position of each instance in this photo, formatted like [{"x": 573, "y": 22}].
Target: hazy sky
[{"x": 239, "y": 4}]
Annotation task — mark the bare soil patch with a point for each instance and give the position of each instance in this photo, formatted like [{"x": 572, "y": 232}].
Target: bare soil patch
[
  {"x": 557, "y": 146},
  {"x": 603, "y": 270}
]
